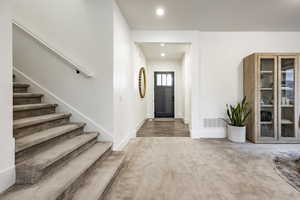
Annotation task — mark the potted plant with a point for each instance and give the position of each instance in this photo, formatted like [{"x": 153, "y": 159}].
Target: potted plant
[{"x": 237, "y": 115}]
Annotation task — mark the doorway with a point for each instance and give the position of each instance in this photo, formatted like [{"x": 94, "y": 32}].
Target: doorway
[{"x": 164, "y": 95}]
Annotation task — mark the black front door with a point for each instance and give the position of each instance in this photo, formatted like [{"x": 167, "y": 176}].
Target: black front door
[{"x": 164, "y": 94}]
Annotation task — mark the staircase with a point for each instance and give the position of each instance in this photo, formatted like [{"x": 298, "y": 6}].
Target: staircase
[{"x": 55, "y": 158}]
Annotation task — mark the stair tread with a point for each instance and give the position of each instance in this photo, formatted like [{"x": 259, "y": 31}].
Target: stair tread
[
  {"x": 21, "y": 85},
  {"x": 42, "y": 136},
  {"x": 100, "y": 177},
  {"x": 54, "y": 185},
  {"x": 32, "y": 106},
  {"x": 26, "y": 94},
  {"x": 46, "y": 158},
  {"x": 20, "y": 123}
]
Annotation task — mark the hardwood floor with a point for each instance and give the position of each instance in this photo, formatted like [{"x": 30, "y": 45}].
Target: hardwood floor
[{"x": 164, "y": 128}]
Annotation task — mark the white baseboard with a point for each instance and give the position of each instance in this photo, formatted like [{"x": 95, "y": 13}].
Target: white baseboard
[
  {"x": 209, "y": 133},
  {"x": 140, "y": 125},
  {"x": 179, "y": 116},
  {"x": 65, "y": 107},
  {"x": 132, "y": 134},
  {"x": 7, "y": 178},
  {"x": 123, "y": 143}
]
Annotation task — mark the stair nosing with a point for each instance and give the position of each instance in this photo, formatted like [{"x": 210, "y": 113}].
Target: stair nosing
[
  {"x": 25, "y": 107},
  {"x": 52, "y": 117},
  {"x": 26, "y": 95},
  {"x": 21, "y": 85},
  {"x": 86, "y": 138},
  {"x": 41, "y": 139},
  {"x": 76, "y": 166}
]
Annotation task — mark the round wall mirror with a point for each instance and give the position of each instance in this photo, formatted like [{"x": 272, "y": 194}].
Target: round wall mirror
[{"x": 142, "y": 82}]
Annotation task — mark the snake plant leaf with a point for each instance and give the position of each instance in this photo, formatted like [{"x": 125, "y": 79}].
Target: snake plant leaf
[{"x": 238, "y": 114}]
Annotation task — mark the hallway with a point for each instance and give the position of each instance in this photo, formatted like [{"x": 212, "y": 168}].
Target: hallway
[
  {"x": 164, "y": 128},
  {"x": 186, "y": 169}
]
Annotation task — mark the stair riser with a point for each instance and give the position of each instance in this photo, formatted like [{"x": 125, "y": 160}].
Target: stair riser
[
  {"x": 33, "y": 113},
  {"x": 21, "y": 132},
  {"x": 20, "y": 89},
  {"x": 27, "y": 100},
  {"x": 68, "y": 194},
  {"x": 22, "y": 155},
  {"x": 31, "y": 175},
  {"x": 102, "y": 197}
]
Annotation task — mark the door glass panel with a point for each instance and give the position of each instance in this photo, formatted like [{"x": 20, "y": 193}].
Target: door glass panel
[
  {"x": 164, "y": 79},
  {"x": 267, "y": 97},
  {"x": 158, "y": 79},
  {"x": 169, "y": 80},
  {"x": 287, "y": 100}
]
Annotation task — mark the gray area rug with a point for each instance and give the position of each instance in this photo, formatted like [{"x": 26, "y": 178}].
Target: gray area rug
[{"x": 288, "y": 165}]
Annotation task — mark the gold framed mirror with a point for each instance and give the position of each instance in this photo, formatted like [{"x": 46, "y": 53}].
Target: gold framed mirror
[{"x": 142, "y": 82}]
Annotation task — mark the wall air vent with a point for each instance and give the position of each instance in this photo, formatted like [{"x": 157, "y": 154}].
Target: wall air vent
[{"x": 214, "y": 123}]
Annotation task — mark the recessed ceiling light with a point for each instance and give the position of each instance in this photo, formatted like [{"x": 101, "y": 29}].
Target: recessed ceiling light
[
  {"x": 162, "y": 44},
  {"x": 163, "y": 54},
  {"x": 160, "y": 12}
]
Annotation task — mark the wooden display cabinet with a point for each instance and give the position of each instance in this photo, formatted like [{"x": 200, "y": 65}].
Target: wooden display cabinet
[{"x": 271, "y": 85}]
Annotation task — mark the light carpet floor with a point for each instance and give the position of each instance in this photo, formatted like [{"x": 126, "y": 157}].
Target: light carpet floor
[{"x": 186, "y": 169}]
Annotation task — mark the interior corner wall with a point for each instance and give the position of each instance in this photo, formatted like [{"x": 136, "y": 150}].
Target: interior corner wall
[
  {"x": 129, "y": 108},
  {"x": 82, "y": 31},
  {"x": 221, "y": 65},
  {"x": 166, "y": 66},
  {"x": 186, "y": 83},
  {"x": 122, "y": 78},
  {"x": 7, "y": 143}
]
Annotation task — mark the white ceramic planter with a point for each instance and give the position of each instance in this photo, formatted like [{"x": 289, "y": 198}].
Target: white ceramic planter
[{"x": 236, "y": 134}]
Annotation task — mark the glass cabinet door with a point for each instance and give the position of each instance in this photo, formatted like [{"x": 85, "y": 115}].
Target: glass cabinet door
[
  {"x": 267, "y": 97},
  {"x": 287, "y": 98}
]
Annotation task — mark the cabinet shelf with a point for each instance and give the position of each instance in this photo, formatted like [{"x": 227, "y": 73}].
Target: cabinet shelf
[
  {"x": 266, "y": 106},
  {"x": 286, "y": 121},
  {"x": 266, "y": 122},
  {"x": 287, "y": 88},
  {"x": 266, "y": 72},
  {"x": 287, "y": 106},
  {"x": 266, "y": 89}
]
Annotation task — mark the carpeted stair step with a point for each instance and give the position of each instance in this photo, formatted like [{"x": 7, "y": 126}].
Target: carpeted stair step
[
  {"x": 59, "y": 184},
  {"x": 35, "y": 141},
  {"x": 20, "y": 87},
  {"x": 100, "y": 177},
  {"x": 31, "y": 169},
  {"x": 27, "y": 126},
  {"x": 27, "y": 98},
  {"x": 32, "y": 110}
]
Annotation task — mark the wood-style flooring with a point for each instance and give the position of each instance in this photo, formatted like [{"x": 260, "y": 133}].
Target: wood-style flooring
[{"x": 164, "y": 128}]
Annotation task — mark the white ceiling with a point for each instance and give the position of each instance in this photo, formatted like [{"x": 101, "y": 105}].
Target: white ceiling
[
  {"x": 213, "y": 15},
  {"x": 152, "y": 51}
]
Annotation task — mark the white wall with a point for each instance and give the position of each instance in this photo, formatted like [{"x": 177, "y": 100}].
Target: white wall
[
  {"x": 166, "y": 66},
  {"x": 7, "y": 143},
  {"x": 82, "y": 30},
  {"x": 222, "y": 55},
  {"x": 186, "y": 83},
  {"x": 122, "y": 78}
]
